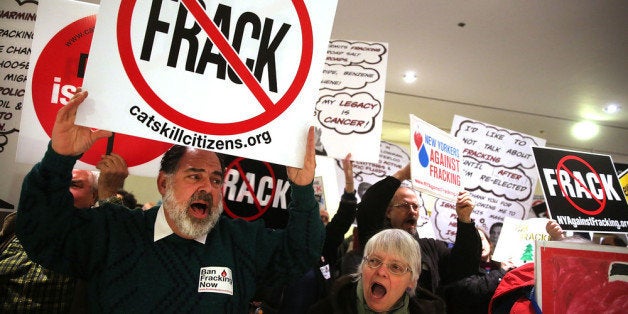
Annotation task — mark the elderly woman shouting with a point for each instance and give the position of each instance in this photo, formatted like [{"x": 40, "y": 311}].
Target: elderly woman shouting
[{"x": 385, "y": 282}]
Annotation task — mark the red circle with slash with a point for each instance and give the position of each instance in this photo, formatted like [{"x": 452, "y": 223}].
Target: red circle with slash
[
  {"x": 561, "y": 166},
  {"x": 271, "y": 110},
  {"x": 237, "y": 165}
]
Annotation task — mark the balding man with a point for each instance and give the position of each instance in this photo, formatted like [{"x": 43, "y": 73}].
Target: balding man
[
  {"x": 27, "y": 287},
  {"x": 182, "y": 256}
]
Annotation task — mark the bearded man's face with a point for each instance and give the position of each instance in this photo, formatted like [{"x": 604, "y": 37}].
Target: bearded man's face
[{"x": 192, "y": 195}]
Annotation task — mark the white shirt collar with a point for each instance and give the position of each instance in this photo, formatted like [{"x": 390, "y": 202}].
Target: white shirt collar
[{"x": 162, "y": 228}]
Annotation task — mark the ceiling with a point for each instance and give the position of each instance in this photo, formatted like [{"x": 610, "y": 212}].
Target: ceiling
[{"x": 536, "y": 67}]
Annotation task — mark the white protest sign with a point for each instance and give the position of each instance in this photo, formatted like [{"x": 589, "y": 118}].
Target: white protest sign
[
  {"x": 435, "y": 157},
  {"x": 238, "y": 77},
  {"x": 36, "y": 123},
  {"x": 498, "y": 168},
  {"x": 350, "y": 108},
  {"x": 18, "y": 21},
  {"x": 61, "y": 46},
  {"x": 516, "y": 242}
]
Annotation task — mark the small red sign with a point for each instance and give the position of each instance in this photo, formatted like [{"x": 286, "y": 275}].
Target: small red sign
[{"x": 59, "y": 72}]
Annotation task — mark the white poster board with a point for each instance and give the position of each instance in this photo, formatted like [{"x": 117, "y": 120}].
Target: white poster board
[
  {"x": 17, "y": 20},
  {"x": 435, "y": 157},
  {"x": 498, "y": 168},
  {"x": 239, "y": 77},
  {"x": 350, "y": 108},
  {"x": 516, "y": 242}
]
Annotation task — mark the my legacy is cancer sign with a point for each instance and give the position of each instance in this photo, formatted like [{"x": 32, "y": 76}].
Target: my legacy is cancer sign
[{"x": 239, "y": 77}]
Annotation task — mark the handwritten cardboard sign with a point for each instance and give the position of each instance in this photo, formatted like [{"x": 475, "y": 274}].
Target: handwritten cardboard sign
[{"x": 350, "y": 108}]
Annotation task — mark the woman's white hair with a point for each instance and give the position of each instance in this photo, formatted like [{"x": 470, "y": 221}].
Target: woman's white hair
[{"x": 398, "y": 243}]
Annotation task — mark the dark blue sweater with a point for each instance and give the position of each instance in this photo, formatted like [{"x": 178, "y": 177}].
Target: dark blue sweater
[{"x": 112, "y": 248}]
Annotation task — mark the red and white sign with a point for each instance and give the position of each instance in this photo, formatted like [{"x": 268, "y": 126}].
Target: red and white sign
[
  {"x": 238, "y": 77},
  {"x": 60, "y": 51}
]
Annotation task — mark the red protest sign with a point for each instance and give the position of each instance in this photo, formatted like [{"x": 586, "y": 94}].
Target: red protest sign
[{"x": 59, "y": 72}]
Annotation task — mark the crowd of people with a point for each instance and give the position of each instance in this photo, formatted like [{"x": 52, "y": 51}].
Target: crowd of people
[{"x": 80, "y": 243}]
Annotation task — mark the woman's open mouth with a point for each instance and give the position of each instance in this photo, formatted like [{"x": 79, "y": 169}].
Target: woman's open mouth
[{"x": 377, "y": 290}]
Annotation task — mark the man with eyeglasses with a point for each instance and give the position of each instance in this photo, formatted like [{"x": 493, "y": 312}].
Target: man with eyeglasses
[
  {"x": 388, "y": 204},
  {"x": 181, "y": 256}
]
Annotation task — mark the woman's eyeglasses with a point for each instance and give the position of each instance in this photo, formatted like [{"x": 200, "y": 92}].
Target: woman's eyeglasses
[{"x": 395, "y": 268}]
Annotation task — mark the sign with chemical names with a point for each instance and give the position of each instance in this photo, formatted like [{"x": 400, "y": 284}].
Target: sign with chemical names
[
  {"x": 17, "y": 20},
  {"x": 237, "y": 77},
  {"x": 350, "y": 107},
  {"x": 497, "y": 168},
  {"x": 61, "y": 47},
  {"x": 582, "y": 190},
  {"x": 435, "y": 159}
]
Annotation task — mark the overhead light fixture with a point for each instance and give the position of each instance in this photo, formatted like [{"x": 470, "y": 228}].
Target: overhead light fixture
[
  {"x": 409, "y": 77},
  {"x": 585, "y": 130},
  {"x": 612, "y": 108}
]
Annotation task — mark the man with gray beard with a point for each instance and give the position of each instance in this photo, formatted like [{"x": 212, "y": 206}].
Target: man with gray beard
[{"x": 182, "y": 256}]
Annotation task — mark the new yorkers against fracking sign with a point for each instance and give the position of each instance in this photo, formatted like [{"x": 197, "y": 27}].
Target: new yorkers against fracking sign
[
  {"x": 582, "y": 190},
  {"x": 435, "y": 160},
  {"x": 228, "y": 76}
]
